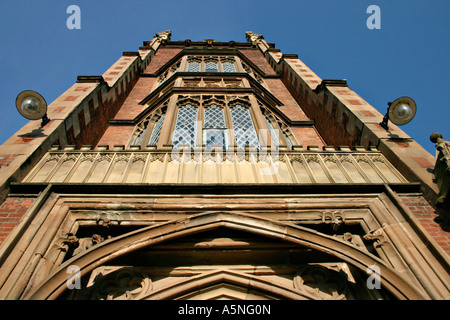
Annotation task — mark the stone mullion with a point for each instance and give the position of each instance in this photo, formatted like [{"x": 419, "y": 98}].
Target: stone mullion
[
  {"x": 168, "y": 124},
  {"x": 260, "y": 122}
]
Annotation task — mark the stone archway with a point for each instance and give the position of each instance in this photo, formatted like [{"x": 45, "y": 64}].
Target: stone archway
[{"x": 101, "y": 254}]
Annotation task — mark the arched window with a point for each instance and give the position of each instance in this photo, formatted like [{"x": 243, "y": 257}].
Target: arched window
[
  {"x": 185, "y": 132},
  {"x": 214, "y": 127},
  {"x": 273, "y": 132},
  {"x": 148, "y": 131},
  {"x": 211, "y": 66},
  {"x": 228, "y": 66},
  {"x": 194, "y": 65},
  {"x": 156, "y": 130},
  {"x": 288, "y": 140},
  {"x": 243, "y": 127},
  {"x": 279, "y": 132}
]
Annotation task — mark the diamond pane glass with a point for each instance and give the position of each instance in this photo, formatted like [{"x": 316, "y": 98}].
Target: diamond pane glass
[
  {"x": 185, "y": 127},
  {"x": 194, "y": 66},
  {"x": 214, "y": 117},
  {"x": 214, "y": 137},
  {"x": 244, "y": 130},
  {"x": 156, "y": 130},
  {"x": 228, "y": 66},
  {"x": 272, "y": 130},
  {"x": 211, "y": 66}
]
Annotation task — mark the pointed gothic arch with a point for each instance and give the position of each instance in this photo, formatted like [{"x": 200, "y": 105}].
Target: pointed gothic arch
[{"x": 56, "y": 283}]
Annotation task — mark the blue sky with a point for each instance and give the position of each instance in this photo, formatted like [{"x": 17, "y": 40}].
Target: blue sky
[{"x": 408, "y": 56}]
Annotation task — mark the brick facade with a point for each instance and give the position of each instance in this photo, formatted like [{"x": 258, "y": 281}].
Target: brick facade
[
  {"x": 11, "y": 211},
  {"x": 162, "y": 56},
  {"x": 326, "y": 206},
  {"x": 430, "y": 220}
]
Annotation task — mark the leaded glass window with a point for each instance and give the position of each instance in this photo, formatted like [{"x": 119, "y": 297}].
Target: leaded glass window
[
  {"x": 214, "y": 117},
  {"x": 214, "y": 132},
  {"x": 228, "y": 66},
  {"x": 243, "y": 128},
  {"x": 194, "y": 66},
  {"x": 185, "y": 127},
  {"x": 211, "y": 66},
  {"x": 273, "y": 132},
  {"x": 150, "y": 129},
  {"x": 156, "y": 130}
]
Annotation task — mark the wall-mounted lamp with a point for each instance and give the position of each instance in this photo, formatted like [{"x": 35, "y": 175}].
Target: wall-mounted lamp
[
  {"x": 32, "y": 106},
  {"x": 400, "y": 112}
]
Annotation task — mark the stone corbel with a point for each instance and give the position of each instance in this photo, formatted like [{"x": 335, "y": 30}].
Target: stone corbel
[
  {"x": 378, "y": 236},
  {"x": 335, "y": 218},
  {"x": 165, "y": 35},
  {"x": 253, "y": 37},
  {"x": 160, "y": 38}
]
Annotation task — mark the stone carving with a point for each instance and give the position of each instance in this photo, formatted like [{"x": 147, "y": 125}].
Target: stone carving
[
  {"x": 324, "y": 282},
  {"x": 80, "y": 245},
  {"x": 106, "y": 222},
  {"x": 252, "y": 37},
  {"x": 121, "y": 284},
  {"x": 378, "y": 236},
  {"x": 335, "y": 218},
  {"x": 165, "y": 35},
  {"x": 191, "y": 83},
  {"x": 353, "y": 239},
  {"x": 442, "y": 173},
  {"x": 315, "y": 165}
]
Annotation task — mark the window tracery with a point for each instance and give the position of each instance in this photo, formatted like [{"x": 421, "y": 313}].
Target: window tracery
[
  {"x": 168, "y": 73},
  {"x": 211, "y": 64},
  {"x": 212, "y": 121},
  {"x": 148, "y": 131},
  {"x": 279, "y": 132},
  {"x": 224, "y": 121}
]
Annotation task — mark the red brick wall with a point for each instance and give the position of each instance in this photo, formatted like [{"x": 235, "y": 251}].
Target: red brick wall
[
  {"x": 256, "y": 56},
  {"x": 91, "y": 133},
  {"x": 11, "y": 211},
  {"x": 131, "y": 107},
  {"x": 331, "y": 128},
  {"x": 307, "y": 136},
  {"x": 290, "y": 107},
  {"x": 116, "y": 135},
  {"x": 162, "y": 56},
  {"x": 120, "y": 135},
  {"x": 430, "y": 220}
]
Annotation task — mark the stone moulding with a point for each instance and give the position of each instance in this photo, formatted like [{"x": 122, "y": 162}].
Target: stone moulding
[
  {"x": 213, "y": 166},
  {"x": 173, "y": 212},
  {"x": 56, "y": 282}
]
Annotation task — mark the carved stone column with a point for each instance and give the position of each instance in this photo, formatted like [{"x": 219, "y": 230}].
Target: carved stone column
[{"x": 442, "y": 174}]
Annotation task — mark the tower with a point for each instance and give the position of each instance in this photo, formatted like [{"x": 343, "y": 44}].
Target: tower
[{"x": 212, "y": 170}]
